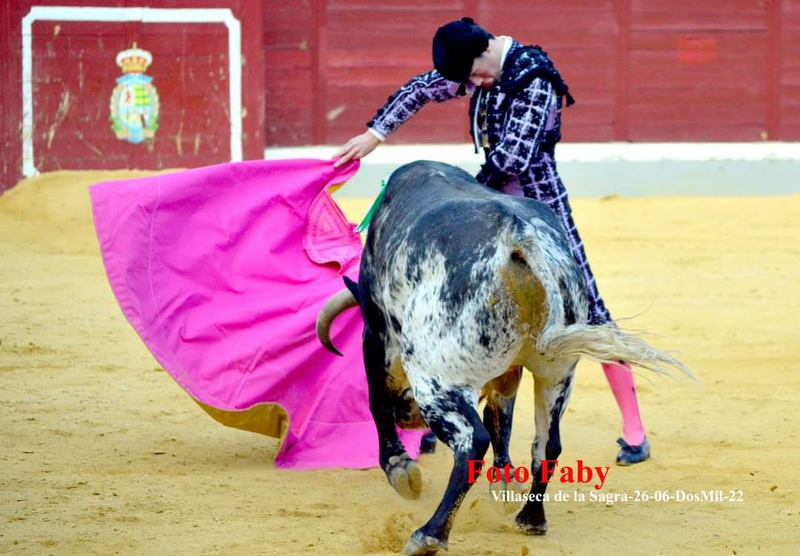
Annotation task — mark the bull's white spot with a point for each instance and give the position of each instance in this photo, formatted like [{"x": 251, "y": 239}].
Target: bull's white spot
[{"x": 450, "y": 347}]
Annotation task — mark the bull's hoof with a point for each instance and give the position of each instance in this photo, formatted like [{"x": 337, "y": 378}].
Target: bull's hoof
[
  {"x": 421, "y": 544},
  {"x": 532, "y": 521},
  {"x": 507, "y": 497},
  {"x": 533, "y": 530},
  {"x": 427, "y": 445},
  {"x": 404, "y": 476}
]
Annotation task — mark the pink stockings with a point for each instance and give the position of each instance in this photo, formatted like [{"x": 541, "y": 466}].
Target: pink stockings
[{"x": 621, "y": 381}]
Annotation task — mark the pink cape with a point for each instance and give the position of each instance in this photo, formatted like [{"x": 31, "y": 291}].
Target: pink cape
[{"x": 222, "y": 271}]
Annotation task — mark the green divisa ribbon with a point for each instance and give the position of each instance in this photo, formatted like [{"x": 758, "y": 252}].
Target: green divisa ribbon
[{"x": 374, "y": 207}]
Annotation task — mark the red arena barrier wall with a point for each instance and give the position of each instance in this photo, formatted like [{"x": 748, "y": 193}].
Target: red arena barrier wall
[
  {"x": 314, "y": 72},
  {"x": 177, "y": 84}
]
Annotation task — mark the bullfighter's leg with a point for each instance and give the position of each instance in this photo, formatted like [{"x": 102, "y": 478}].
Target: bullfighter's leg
[
  {"x": 401, "y": 471},
  {"x": 501, "y": 394},
  {"x": 452, "y": 414},
  {"x": 551, "y": 402},
  {"x": 634, "y": 448}
]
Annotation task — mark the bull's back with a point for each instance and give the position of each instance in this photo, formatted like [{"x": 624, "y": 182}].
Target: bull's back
[
  {"x": 442, "y": 242},
  {"x": 436, "y": 202},
  {"x": 426, "y": 185}
]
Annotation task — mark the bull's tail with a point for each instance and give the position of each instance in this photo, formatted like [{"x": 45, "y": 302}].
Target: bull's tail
[{"x": 608, "y": 344}]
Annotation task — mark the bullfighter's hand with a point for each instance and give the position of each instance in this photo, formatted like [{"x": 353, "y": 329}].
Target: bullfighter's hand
[{"x": 356, "y": 148}]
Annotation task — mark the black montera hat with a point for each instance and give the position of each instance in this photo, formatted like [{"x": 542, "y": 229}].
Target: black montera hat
[{"x": 455, "y": 47}]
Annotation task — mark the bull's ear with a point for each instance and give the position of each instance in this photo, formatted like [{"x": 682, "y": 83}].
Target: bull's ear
[{"x": 353, "y": 287}]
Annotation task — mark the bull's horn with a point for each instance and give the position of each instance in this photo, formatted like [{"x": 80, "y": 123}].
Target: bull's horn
[{"x": 341, "y": 301}]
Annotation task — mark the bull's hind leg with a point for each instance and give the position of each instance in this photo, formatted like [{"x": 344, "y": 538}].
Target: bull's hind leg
[
  {"x": 402, "y": 472},
  {"x": 453, "y": 415},
  {"x": 501, "y": 393},
  {"x": 551, "y": 401}
]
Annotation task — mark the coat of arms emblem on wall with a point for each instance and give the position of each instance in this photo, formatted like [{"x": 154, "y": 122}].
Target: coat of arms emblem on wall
[{"x": 134, "y": 102}]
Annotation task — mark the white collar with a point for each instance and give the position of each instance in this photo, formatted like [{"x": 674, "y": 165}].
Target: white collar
[{"x": 508, "y": 41}]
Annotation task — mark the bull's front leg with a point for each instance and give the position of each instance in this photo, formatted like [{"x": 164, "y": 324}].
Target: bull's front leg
[
  {"x": 551, "y": 402},
  {"x": 401, "y": 471},
  {"x": 453, "y": 416},
  {"x": 501, "y": 394}
]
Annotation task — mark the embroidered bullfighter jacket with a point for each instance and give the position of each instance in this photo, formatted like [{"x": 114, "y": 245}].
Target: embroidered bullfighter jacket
[{"x": 517, "y": 123}]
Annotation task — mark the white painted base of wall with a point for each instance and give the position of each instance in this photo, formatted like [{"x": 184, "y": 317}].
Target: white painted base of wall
[{"x": 600, "y": 169}]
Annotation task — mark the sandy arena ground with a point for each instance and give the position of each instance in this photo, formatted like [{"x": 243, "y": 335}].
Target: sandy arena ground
[{"x": 104, "y": 454}]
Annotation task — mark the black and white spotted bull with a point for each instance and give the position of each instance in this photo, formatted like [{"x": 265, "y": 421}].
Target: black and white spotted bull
[{"x": 460, "y": 287}]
